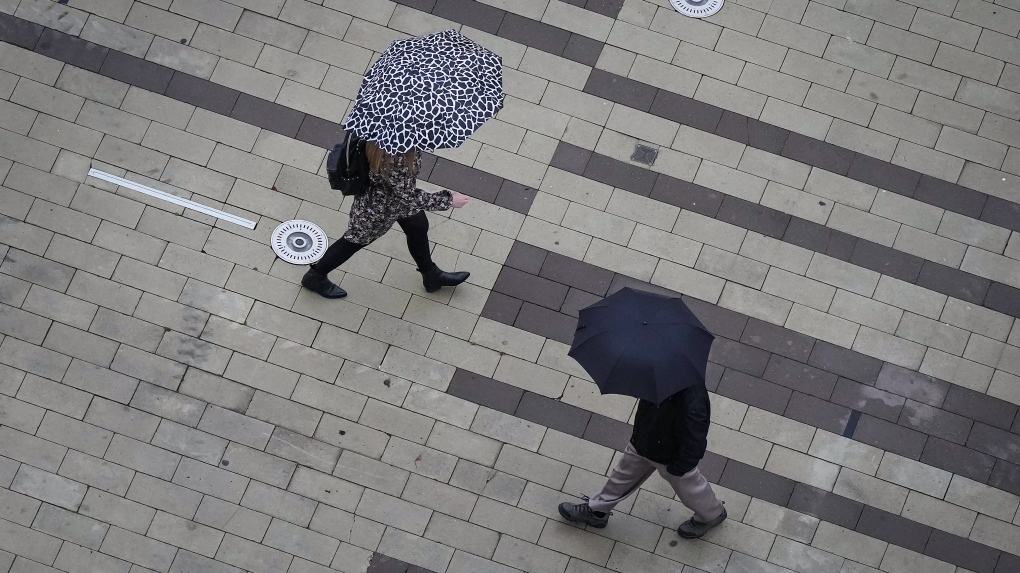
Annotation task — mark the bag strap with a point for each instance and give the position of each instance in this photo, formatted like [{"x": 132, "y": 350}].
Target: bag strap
[{"x": 350, "y": 134}]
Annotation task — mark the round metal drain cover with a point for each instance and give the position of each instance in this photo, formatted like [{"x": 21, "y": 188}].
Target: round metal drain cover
[
  {"x": 299, "y": 242},
  {"x": 697, "y": 8}
]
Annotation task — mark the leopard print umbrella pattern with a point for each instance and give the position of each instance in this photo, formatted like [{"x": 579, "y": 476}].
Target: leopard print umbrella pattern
[{"x": 426, "y": 93}]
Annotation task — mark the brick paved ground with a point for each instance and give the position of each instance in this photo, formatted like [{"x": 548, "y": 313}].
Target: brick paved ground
[{"x": 834, "y": 187}]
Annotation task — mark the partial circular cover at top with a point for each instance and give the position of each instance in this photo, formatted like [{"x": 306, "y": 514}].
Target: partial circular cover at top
[{"x": 697, "y": 8}]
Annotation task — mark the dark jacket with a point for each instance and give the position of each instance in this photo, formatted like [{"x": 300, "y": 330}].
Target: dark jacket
[{"x": 674, "y": 433}]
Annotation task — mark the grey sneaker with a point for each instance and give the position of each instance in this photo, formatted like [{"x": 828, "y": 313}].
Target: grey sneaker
[
  {"x": 582, "y": 512},
  {"x": 694, "y": 529}
]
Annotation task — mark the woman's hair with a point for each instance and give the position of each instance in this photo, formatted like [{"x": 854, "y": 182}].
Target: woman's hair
[{"x": 376, "y": 157}]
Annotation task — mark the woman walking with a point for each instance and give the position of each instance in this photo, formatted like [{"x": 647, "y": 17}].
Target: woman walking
[
  {"x": 392, "y": 197},
  {"x": 424, "y": 93}
]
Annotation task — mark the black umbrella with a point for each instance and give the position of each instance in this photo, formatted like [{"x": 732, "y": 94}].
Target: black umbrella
[
  {"x": 425, "y": 93},
  {"x": 641, "y": 344}
]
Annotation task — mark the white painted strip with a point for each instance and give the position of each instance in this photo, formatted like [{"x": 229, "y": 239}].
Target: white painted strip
[{"x": 172, "y": 198}]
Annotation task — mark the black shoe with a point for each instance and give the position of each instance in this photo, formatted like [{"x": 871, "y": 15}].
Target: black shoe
[
  {"x": 694, "y": 529},
  {"x": 320, "y": 283},
  {"x": 436, "y": 278},
  {"x": 582, "y": 512}
]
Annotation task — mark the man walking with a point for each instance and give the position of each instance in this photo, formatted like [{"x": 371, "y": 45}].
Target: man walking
[{"x": 670, "y": 438}]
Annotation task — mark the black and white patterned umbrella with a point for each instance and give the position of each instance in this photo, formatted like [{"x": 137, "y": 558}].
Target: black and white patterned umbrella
[{"x": 425, "y": 93}]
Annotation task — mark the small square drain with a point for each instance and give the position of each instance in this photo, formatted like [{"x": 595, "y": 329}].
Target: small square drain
[{"x": 644, "y": 154}]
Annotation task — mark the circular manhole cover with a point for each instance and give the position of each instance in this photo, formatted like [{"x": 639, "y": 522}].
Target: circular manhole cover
[
  {"x": 697, "y": 8},
  {"x": 299, "y": 242}
]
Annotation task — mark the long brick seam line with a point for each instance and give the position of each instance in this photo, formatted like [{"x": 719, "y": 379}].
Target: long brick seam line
[
  {"x": 319, "y": 131},
  {"x": 311, "y": 129},
  {"x": 514, "y": 196},
  {"x": 730, "y": 125}
]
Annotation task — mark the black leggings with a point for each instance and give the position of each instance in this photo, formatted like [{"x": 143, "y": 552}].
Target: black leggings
[{"x": 415, "y": 227}]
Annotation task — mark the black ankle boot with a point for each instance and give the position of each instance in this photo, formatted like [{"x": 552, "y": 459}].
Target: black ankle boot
[
  {"x": 436, "y": 278},
  {"x": 320, "y": 283}
]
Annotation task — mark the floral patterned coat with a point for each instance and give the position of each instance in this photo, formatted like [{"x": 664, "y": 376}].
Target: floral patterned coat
[{"x": 392, "y": 195}]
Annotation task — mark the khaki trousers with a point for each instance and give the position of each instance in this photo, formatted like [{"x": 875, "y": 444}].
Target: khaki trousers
[{"x": 692, "y": 488}]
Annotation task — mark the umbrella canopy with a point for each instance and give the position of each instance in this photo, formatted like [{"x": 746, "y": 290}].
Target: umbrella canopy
[
  {"x": 427, "y": 93},
  {"x": 641, "y": 344}
]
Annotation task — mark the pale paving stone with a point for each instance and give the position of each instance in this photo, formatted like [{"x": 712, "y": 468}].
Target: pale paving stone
[
  {"x": 394, "y": 512},
  {"x": 803, "y": 558},
  {"x": 701, "y": 556},
  {"x": 371, "y": 382},
  {"x": 651, "y": 71},
  {"x": 415, "y": 550},
  {"x": 768, "y": 166},
  {"x": 21, "y": 415},
  {"x": 802, "y": 468},
  {"x": 576, "y": 542},
  {"x": 751, "y": 49},
  {"x": 977, "y": 319},
  {"x": 784, "y": 31},
  {"x": 509, "y": 429},
  {"x": 729, "y": 181},
  {"x": 325, "y": 488},
  {"x": 731, "y": 267},
  {"x": 914, "y": 475},
  {"x": 117, "y": 511},
  {"x": 930, "y": 247},
  {"x": 898, "y": 559},
  {"x": 777, "y": 429},
  {"x": 730, "y": 413},
  {"x": 781, "y": 521},
  {"x": 957, "y": 370},
  {"x": 981, "y": 498},
  {"x": 821, "y": 325},
  {"x": 861, "y": 139},
  {"x": 416, "y": 368},
  {"x": 225, "y": 44},
  {"x": 185, "y": 534},
  {"x": 870, "y": 490},
  {"x": 530, "y": 376},
  {"x": 849, "y": 544},
  {"x": 278, "y": 504},
  {"x": 189, "y": 442},
  {"x": 392, "y": 420},
  {"x": 186, "y": 59},
  {"x": 35, "y": 545},
  {"x": 17, "y": 118},
  {"x": 665, "y": 245},
  {"x": 910, "y": 297},
  {"x": 100, "y": 381},
  {"x": 49, "y": 487},
  {"x": 687, "y": 281},
  {"x": 939, "y": 514},
  {"x": 28, "y": 64},
  {"x": 116, "y": 36},
  {"x": 890, "y": 348},
  {"x": 122, "y": 419},
  {"x": 800, "y": 289},
  {"x": 728, "y": 96},
  {"x": 575, "y": 188},
  {"x": 251, "y": 556},
  {"x": 740, "y": 537},
  {"x": 526, "y": 556},
  {"x": 798, "y": 119},
  {"x": 739, "y": 446},
  {"x": 932, "y": 333},
  {"x": 755, "y": 303},
  {"x": 21, "y": 509}
]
